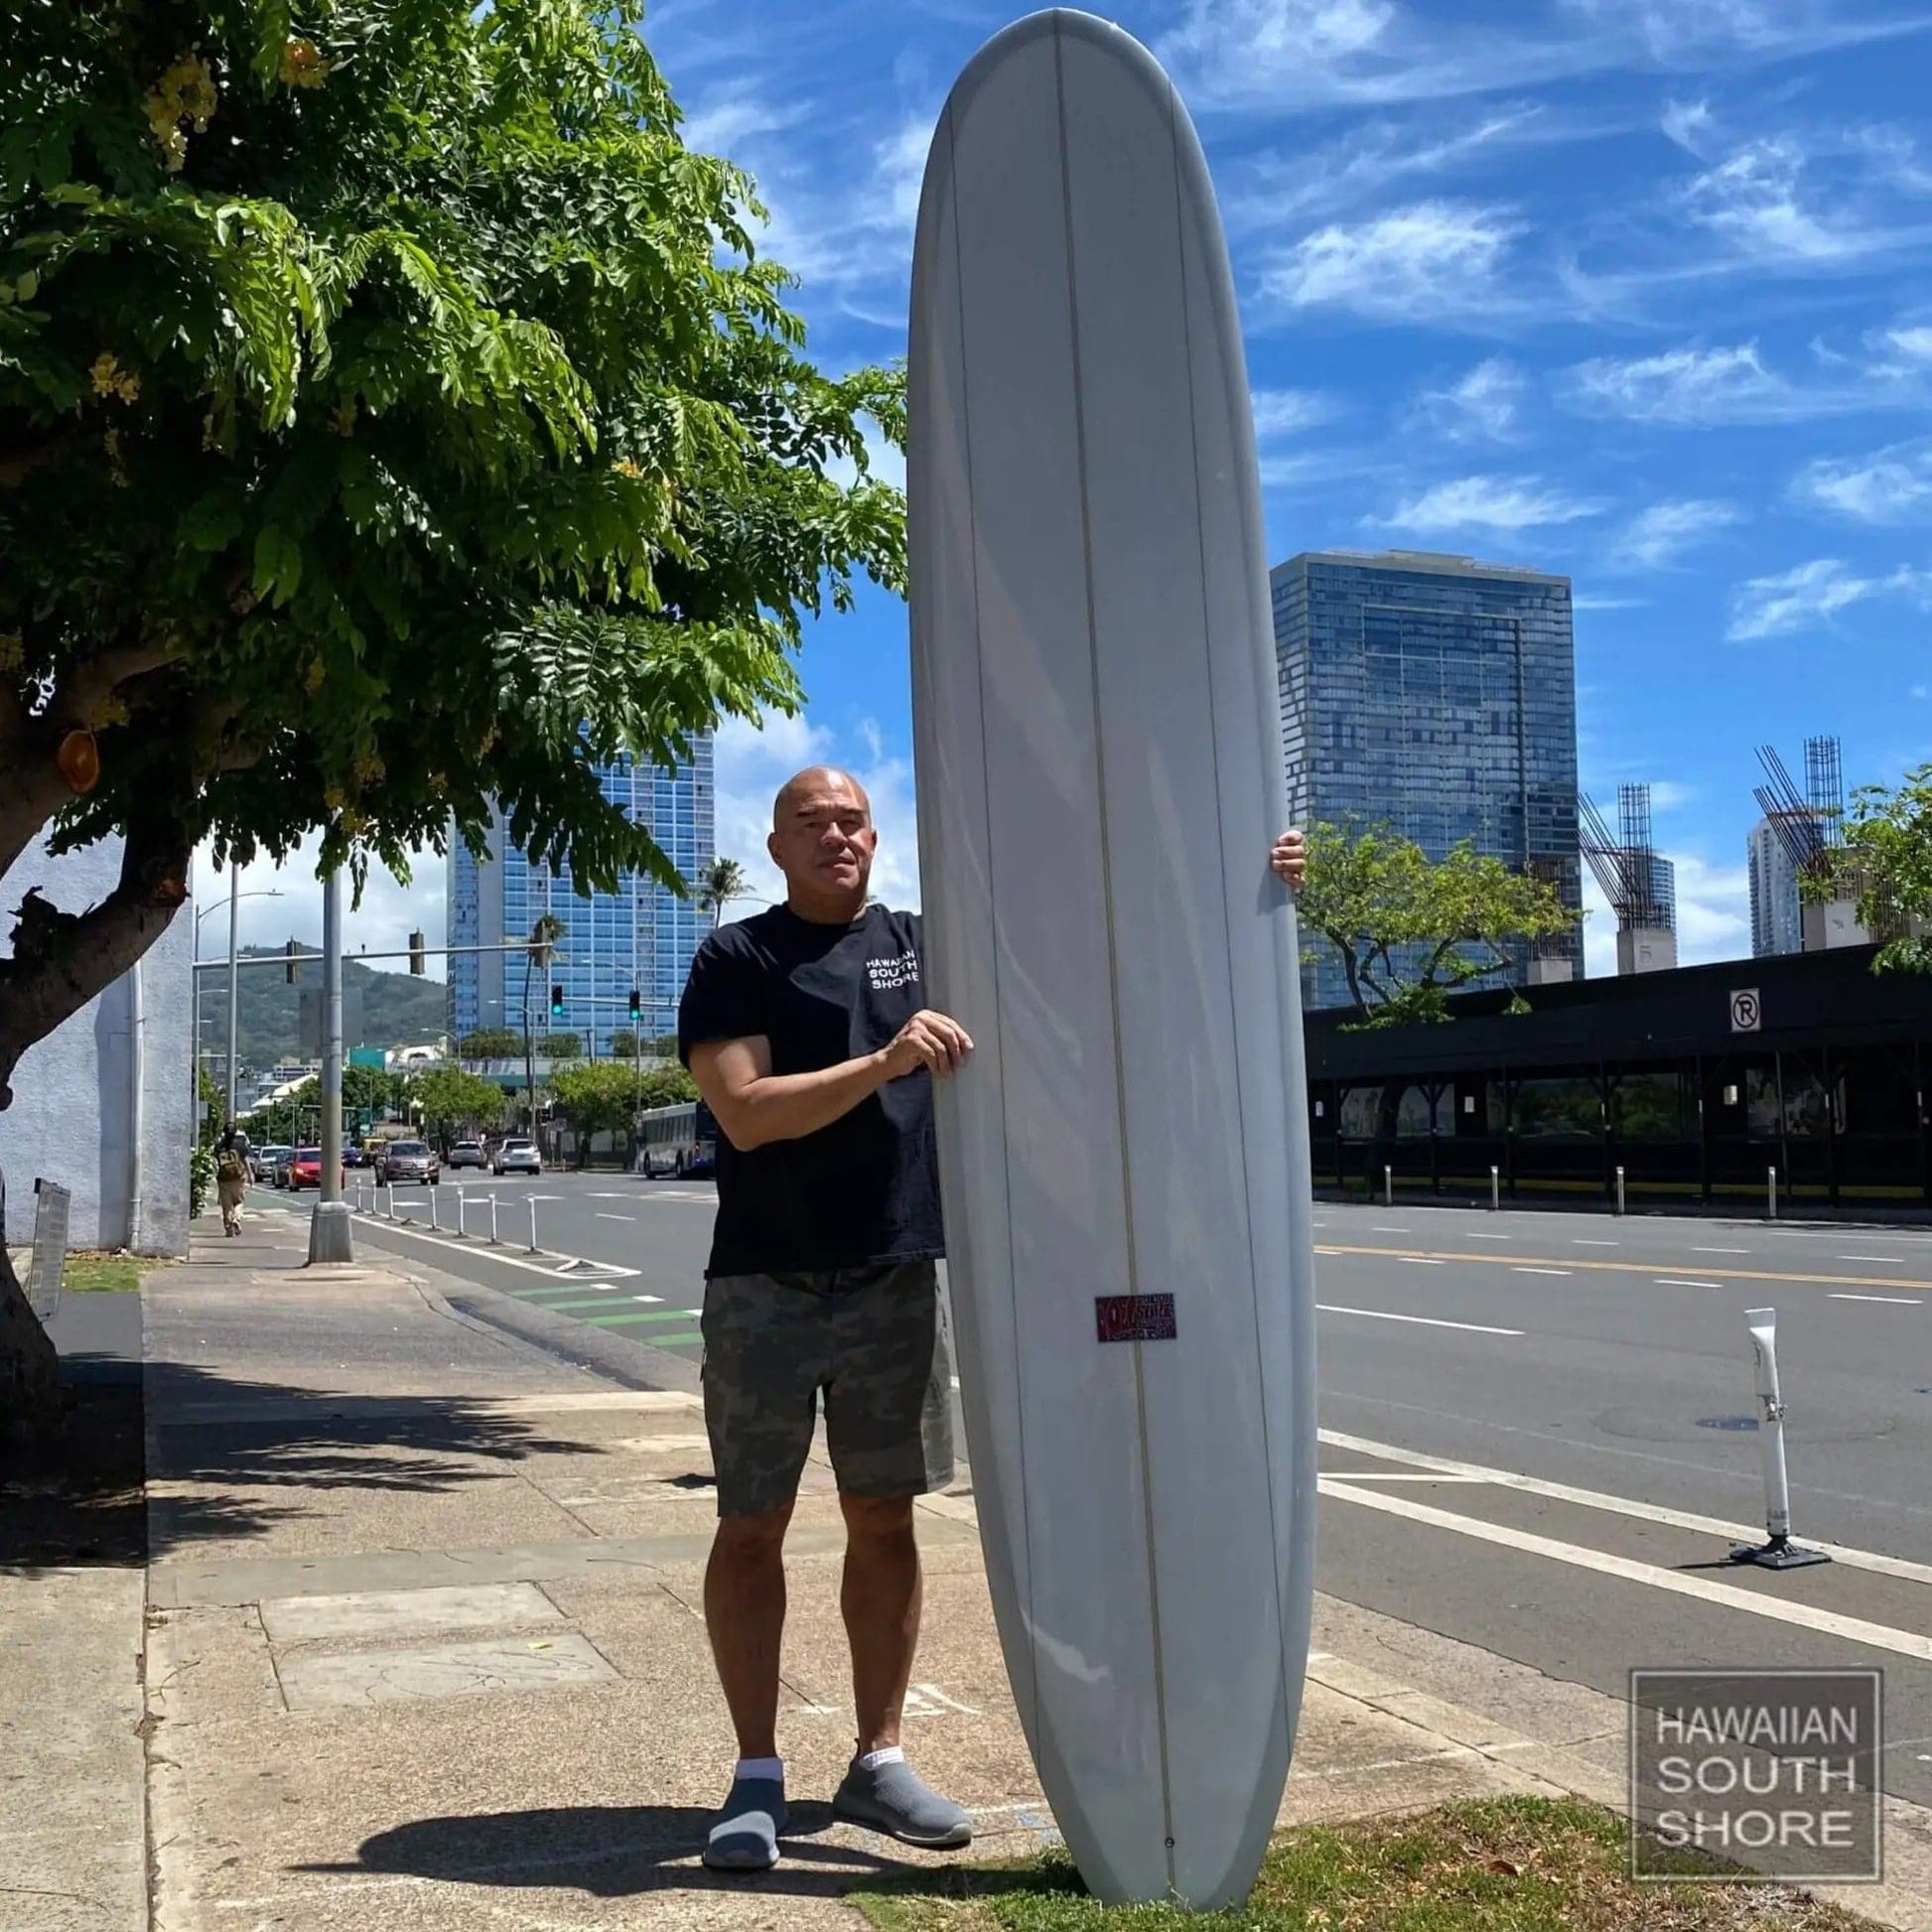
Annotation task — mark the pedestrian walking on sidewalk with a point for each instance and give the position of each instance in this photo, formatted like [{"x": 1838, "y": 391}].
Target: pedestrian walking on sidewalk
[
  {"x": 230, "y": 1182},
  {"x": 807, "y": 1030}
]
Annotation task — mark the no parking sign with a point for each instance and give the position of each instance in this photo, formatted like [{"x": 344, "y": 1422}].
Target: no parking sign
[{"x": 1746, "y": 1015}]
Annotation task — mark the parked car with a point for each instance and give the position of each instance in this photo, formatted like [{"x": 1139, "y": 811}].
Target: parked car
[
  {"x": 278, "y": 1170},
  {"x": 356, "y": 1156},
  {"x": 408, "y": 1160},
  {"x": 517, "y": 1156},
  {"x": 261, "y": 1160},
  {"x": 467, "y": 1154}
]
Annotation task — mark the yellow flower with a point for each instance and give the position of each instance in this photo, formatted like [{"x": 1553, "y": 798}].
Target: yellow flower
[
  {"x": 302, "y": 64},
  {"x": 313, "y": 681},
  {"x": 110, "y": 379},
  {"x": 626, "y": 468},
  {"x": 185, "y": 92}
]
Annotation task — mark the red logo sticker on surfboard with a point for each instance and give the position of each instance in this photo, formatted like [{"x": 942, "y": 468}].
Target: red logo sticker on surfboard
[{"x": 1133, "y": 1317}]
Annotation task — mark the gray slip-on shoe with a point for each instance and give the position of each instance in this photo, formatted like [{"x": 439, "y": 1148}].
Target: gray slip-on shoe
[
  {"x": 894, "y": 1799},
  {"x": 744, "y": 1835}
]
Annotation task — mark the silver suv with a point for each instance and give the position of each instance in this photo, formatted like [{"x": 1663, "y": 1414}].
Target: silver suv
[
  {"x": 408, "y": 1160},
  {"x": 517, "y": 1156}
]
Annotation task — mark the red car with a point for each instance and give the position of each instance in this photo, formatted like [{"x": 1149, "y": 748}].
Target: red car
[{"x": 305, "y": 1169}]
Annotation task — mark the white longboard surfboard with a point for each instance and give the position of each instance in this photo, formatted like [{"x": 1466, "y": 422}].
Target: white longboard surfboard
[{"x": 1125, "y": 1159}]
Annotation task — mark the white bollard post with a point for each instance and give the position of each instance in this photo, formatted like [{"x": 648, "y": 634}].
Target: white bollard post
[
  {"x": 535, "y": 1249},
  {"x": 462, "y": 1233},
  {"x": 1771, "y": 1191},
  {"x": 1496, "y": 1189},
  {"x": 1619, "y": 1190},
  {"x": 1388, "y": 1186},
  {"x": 1778, "y": 1552},
  {"x": 494, "y": 1242},
  {"x": 389, "y": 1188},
  {"x": 435, "y": 1204}
]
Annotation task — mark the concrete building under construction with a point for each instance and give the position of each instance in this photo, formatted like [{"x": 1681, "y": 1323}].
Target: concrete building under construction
[
  {"x": 1639, "y": 883},
  {"x": 1804, "y": 897}
]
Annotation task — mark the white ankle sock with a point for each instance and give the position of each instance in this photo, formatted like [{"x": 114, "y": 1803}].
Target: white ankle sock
[
  {"x": 761, "y": 1768},
  {"x": 872, "y": 1760}
]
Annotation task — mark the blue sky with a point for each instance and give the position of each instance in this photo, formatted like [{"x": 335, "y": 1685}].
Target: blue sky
[{"x": 1635, "y": 290}]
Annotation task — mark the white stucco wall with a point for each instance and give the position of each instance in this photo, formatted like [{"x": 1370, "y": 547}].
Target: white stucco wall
[{"x": 75, "y": 1109}]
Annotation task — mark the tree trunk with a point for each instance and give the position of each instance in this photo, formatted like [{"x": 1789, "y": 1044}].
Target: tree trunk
[{"x": 30, "y": 1371}]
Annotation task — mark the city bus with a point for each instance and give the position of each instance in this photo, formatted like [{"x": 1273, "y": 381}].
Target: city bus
[{"x": 680, "y": 1140}]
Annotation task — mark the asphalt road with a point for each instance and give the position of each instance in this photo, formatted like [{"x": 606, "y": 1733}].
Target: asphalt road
[{"x": 1536, "y": 1427}]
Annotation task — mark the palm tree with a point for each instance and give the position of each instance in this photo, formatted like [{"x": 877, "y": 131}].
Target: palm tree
[
  {"x": 718, "y": 884},
  {"x": 544, "y": 934}
]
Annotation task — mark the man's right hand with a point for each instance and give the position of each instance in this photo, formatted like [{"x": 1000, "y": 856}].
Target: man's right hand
[{"x": 930, "y": 1040}]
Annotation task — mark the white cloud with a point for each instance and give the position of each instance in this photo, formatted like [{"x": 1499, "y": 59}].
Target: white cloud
[
  {"x": 1666, "y": 796},
  {"x": 1714, "y": 909},
  {"x": 1689, "y": 124},
  {"x": 1434, "y": 260},
  {"x": 388, "y": 913},
  {"x": 1289, "y": 56},
  {"x": 752, "y": 763},
  {"x": 1915, "y": 342},
  {"x": 1686, "y": 385},
  {"x": 1753, "y": 199},
  {"x": 1657, "y": 536},
  {"x": 1488, "y": 503},
  {"x": 724, "y": 120},
  {"x": 1891, "y": 486},
  {"x": 1282, "y": 412},
  {"x": 1810, "y": 595},
  {"x": 1482, "y": 406},
  {"x": 1593, "y": 601}
]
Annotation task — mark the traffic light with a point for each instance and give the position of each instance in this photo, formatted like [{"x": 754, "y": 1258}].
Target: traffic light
[
  {"x": 416, "y": 953},
  {"x": 292, "y": 948},
  {"x": 556, "y": 1003},
  {"x": 637, "y": 1004}
]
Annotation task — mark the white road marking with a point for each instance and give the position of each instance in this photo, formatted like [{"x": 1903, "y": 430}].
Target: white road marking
[
  {"x": 1520, "y": 1270},
  {"x": 1493, "y": 1237},
  {"x": 1402, "y": 1475},
  {"x": 1420, "y": 1261},
  {"x": 1563, "y": 1492},
  {"x": 602, "y": 1216},
  {"x": 1721, "y": 1251},
  {"x": 1377, "y": 1229},
  {"x": 1426, "y": 1321},
  {"x": 1897, "y": 1261},
  {"x": 1883, "y": 1300},
  {"x": 496, "y": 1256},
  {"x": 610, "y": 1196},
  {"x": 1678, "y": 1281},
  {"x": 1806, "y": 1616},
  {"x": 1583, "y": 1241}
]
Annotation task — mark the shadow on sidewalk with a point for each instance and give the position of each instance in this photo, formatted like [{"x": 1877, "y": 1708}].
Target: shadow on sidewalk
[
  {"x": 610, "y": 1852},
  {"x": 223, "y": 1448}
]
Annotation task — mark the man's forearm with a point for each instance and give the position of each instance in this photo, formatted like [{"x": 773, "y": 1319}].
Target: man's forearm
[{"x": 788, "y": 1106}]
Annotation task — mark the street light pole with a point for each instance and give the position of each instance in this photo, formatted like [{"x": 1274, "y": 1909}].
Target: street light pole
[
  {"x": 234, "y": 977},
  {"x": 330, "y": 1238}
]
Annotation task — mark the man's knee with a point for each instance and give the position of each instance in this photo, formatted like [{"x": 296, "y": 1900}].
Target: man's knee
[
  {"x": 877, "y": 1519},
  {"x": 762, "y": 1534}
]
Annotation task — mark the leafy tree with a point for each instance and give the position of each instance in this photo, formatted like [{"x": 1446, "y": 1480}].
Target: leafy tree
[
  {"x": 454, "y": 1101},
  {"x": 718, "y": 884},
  {"x": 599, "y": 1096},
  {"x": 214, "y": 1120},
  {"x": 1887, "y": 858},
  {"x": 290, "y": 1121},
  {"x": 624, "y": 1045},
  {"x": 561, "y": 1047},
  {"x": 492, "y": 1043},
  {"x": 665, "y": 1046},
  {"x": 1411, "y": 930},
  {"x": 666, "y": 1086},
  {"x": 393, "y": 420}
]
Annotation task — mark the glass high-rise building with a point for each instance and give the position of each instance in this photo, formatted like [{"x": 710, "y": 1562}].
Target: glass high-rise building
[
  {"x": 642, "y": 938},
  {"x": 1777, "y": 907},
  {"x": 1437, "y": 696}
]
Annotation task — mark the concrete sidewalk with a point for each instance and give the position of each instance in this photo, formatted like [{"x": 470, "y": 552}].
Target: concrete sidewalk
[{"x": 424, "y": 1647}]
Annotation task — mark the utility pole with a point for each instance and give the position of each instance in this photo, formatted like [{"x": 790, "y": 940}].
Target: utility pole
[
  {"x": 329, "y": 1231},
  {"x": 235, "y": 979}
]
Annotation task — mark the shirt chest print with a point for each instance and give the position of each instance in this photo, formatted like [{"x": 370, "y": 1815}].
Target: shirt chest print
[{"x": 888, "y": 975}]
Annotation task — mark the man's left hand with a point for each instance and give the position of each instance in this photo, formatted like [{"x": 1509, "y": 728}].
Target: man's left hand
[{"x": 1290, "y": 859}]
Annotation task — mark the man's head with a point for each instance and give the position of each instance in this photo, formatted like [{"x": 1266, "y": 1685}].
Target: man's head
[{"x": 822, "y": 840}]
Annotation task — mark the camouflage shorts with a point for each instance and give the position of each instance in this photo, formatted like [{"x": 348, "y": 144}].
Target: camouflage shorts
[{"x": 872, "y": 1338}]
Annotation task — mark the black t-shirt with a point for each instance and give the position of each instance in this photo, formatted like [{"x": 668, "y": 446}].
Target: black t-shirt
[{"x": 866, "y": 1190}]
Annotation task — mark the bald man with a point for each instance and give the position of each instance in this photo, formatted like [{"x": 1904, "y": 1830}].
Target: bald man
[{"x": 807, "y": 1030}]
